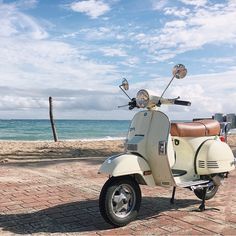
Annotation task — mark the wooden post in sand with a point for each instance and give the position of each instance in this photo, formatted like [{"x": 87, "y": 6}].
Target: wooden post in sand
[{"x": 51, "y": 120}]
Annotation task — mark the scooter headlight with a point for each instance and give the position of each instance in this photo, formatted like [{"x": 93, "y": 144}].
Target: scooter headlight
[{"x": 142, "y": 98}]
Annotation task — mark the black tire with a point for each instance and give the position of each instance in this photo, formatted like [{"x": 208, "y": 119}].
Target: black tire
[
  {"x": 211, "y": 191},
  {"x": 120, "y": 200}
]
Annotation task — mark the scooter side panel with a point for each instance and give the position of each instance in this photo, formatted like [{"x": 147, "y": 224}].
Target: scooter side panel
[
  {"x": 128, "y": 164},
  {"x": 214, "y": 157},
  {"x": 184, "y": 152},
  {"x": 185, "y": 149}
]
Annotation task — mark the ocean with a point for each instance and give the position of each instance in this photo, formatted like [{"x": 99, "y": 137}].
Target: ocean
[{"x": 40, "y": 130}]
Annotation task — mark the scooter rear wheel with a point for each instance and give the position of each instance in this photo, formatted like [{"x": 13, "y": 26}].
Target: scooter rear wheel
[
  {"x": 120, "y": 200},
  {"x": 211, "y": 191}
]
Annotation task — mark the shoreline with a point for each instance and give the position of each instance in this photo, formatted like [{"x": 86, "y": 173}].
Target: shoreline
[
  {"x": 67, "y": 140},
  {"x": 231, "y": 139}
]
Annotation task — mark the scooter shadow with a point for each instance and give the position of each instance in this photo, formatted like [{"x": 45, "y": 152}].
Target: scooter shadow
[{"x": 80, "y": 216}]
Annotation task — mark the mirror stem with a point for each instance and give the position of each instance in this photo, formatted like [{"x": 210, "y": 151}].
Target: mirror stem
[
  {"x": 166, "y": 88},
  {"x": 120, "y": 86}
]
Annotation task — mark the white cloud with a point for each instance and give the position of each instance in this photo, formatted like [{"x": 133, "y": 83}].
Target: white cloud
[
  {"x": 159, "y": 4},
  {"x": 96, "y": 33},
  {"x": 22, "y": 103},
  {"x": 112, "y": 52},
  {"x": 115, "y": 33},
  {"x": 49, "y": 63},
  {"x": 209, "y": 93},
  {"x": 25, "y": 55},
  {"x": 15, "y": 23},
  {"x": 92, "y": 8},
  {"x": 174, "y": 11},
  {"x": 197, "y": 3},
  {"x": 33, "y": 66},
  {"x": 26, "y": 3},
  {"x": 219, "y": 60},
  {"x": 200, "y": 27}
]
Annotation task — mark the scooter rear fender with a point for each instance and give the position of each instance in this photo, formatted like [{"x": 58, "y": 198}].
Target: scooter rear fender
[{"x": 128, "y": 164}]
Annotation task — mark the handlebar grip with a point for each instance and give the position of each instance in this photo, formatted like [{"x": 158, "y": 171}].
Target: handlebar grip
[
  {"x": 132, "y": 104},
  {"x": 182, "y": 103}
]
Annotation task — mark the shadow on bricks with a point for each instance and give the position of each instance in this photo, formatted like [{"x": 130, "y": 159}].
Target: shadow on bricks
[{"x": 81, "y": 216}]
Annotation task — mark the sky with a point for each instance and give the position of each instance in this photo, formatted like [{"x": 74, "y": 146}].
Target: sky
[{"x": 79, "y": 51}]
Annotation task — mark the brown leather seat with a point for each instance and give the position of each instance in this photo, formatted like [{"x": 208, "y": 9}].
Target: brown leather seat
[{"x": 196, "y": 129}]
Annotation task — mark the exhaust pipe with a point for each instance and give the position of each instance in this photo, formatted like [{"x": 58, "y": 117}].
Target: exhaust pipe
[{"x": 202, "y": 186}]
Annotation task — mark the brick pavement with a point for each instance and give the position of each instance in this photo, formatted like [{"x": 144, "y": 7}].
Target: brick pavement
[{"x": 62, "y": 197}]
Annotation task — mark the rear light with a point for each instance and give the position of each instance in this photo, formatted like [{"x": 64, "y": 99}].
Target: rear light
[{"x": 222, "y": 138}]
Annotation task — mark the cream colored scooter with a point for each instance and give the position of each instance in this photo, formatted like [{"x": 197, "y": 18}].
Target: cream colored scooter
[{"x": 158, "y": 153}]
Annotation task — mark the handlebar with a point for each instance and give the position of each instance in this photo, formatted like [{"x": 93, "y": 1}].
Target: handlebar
[
  {"x": 132, "y": 104},
  {"x": 182, "y": 103},
  {"x": 174, "y": 101}
]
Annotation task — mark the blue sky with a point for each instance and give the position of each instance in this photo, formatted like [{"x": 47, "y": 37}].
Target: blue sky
[{"x": 79, "y": 51}]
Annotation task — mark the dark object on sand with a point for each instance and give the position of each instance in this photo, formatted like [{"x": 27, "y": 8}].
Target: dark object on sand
[{"x": 52, "y": 120}]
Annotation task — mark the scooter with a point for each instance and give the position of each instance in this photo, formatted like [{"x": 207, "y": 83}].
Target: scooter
[{"x": 160, "y": 153}]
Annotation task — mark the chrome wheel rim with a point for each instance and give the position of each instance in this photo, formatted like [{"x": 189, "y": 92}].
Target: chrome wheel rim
[{"x": 123, "y": 200}]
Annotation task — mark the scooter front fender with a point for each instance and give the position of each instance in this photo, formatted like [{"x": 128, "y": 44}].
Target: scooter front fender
[{"x": 128, "y": 164}]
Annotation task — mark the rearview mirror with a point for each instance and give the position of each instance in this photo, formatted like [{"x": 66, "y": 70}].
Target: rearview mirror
[
  {"x": 179, "y": 71},
  {"x": 125, "y": 84}
]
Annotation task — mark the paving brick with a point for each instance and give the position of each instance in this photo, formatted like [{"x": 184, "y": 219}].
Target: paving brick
[
  {"x": 189, "y": 232},
  {"x": 39, "y": 204},
  {"x": 8, "y": 203},
  {"x": 153, "y": 231},
  {"x": 231, "y": 218},
  {"x": 121, "y": 231},
  {"x": 171, "y": 228},
  {"x": 228, "y": 231},
  {"x": 14, "y": 207},
  {"x": 64, "y": 201}
]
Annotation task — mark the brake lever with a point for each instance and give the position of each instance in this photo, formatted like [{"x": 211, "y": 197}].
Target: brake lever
[
  {"x": 123, "y": 105},
  {"x": 171, "y": 100}
]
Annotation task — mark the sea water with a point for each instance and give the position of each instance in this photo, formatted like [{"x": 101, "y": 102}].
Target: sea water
[{"x": 40, "y": 130}]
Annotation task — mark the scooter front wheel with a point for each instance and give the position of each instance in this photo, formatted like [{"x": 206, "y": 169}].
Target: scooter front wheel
[
  {"x": 120, "y": 200},
  {"x": 210, "y": 193}
]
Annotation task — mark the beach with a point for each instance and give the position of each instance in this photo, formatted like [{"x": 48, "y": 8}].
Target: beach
[
  {"x": 44, "y": 150},
  {"x": 11, "y": 151}
]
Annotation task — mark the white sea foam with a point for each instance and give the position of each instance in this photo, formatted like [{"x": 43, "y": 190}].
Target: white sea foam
[
  {"x": 108, "y": 138},
  {"x": 70, "y": 140}
]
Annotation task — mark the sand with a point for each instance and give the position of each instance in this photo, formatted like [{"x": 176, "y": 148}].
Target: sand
[
  {"x": 16, "y": 151},
  {"x": 35, "y": 151}
]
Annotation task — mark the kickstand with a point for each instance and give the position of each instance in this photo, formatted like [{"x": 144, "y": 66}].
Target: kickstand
[
  {"x": 172, "y": 200},
  {"x": 202, "y": 206}
]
